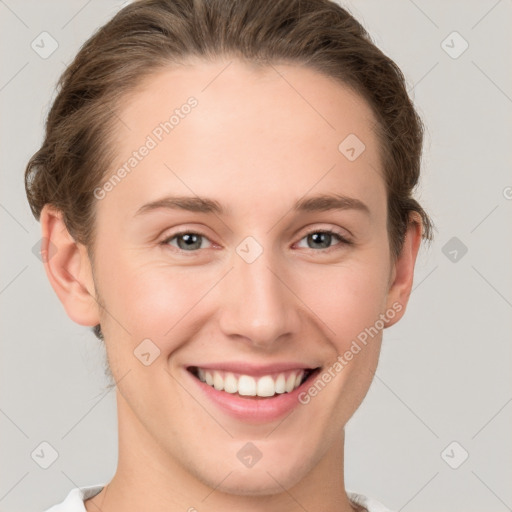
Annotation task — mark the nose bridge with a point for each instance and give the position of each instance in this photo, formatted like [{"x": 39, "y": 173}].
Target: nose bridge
[{"x": 258, "y": 305}]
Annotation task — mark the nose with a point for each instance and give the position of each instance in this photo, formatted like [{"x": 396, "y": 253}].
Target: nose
[{"x": 258, "y": 303}]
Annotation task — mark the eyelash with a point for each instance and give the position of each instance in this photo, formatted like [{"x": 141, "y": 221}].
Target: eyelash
[{"x": 341, "y": 238}]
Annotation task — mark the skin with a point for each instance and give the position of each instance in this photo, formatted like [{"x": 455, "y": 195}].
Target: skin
[{"x": 258, "y": 140}]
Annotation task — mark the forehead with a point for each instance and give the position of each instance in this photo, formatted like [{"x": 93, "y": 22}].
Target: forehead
[
  {"x": 236, "y": 91},
  {"x": 281, "y": 129}
]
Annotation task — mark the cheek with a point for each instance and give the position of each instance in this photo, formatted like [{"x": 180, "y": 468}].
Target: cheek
[
  {"x": 347, "y": 297},
  {"x": 152, "y": 300}
]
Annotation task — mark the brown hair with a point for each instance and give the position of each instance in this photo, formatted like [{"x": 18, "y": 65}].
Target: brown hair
[{"x": 149, "y": 35}]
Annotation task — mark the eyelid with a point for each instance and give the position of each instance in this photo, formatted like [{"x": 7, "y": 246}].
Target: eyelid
[
  {"x": 344, "y": 234},
  {"x": 192, "y": 229}
]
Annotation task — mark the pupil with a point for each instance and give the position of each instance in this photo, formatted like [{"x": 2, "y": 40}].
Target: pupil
[
  {"x": 189, "y": 240},
  {"x": 316, "y": 236}
]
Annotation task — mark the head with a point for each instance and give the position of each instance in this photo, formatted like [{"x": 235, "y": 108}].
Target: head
[{"x": 261, "y": 106}]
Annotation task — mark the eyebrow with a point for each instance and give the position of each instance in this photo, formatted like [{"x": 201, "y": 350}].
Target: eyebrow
[{"x": 322, "y": 202}]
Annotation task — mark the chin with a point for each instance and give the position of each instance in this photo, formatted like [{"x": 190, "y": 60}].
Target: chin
[{"x": 260, "y": 480}]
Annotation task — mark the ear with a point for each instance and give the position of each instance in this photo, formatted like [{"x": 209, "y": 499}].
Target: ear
[
  {"x": 402, "y": 272},
  {"x": 68, "y": 268}
]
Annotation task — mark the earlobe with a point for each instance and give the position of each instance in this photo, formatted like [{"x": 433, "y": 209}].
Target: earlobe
[
  {"x": 68, "y": 268},
  {"x": 403, "y": 270}
]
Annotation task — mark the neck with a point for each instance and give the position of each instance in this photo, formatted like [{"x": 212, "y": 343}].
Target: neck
[{"x": 148, "y": 478}]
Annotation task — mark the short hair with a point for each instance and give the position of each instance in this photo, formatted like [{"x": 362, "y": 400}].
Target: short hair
[{"x": 147, "y": 36}]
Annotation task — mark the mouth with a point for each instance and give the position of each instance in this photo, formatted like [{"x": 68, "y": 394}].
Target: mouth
[{"x": 250, "y": 386}]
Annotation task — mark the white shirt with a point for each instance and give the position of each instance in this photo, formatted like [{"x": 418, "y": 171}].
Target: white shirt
[{"x": 74, "y": 501}]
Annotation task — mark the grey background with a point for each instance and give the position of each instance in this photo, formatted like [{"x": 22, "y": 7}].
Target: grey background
[{"x": 445, "y": 369}]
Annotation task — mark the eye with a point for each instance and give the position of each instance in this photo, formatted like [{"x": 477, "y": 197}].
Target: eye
[
  {"x": 187, "y": 240},
  {"x": 191, "y": 241},
  {"x": 321, "y": 239}
]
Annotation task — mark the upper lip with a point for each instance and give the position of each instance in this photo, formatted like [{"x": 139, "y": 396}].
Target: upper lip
[{"x": 253, "y": 369}]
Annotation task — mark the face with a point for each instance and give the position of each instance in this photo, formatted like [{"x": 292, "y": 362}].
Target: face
[{"x": 254, "y": 287}]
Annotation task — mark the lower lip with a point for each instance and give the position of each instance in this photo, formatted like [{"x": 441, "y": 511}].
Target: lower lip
[{"x": 253, "y": 409}]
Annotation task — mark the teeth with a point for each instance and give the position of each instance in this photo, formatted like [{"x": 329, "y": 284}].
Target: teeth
[
  {"x": 218, "y": 381},
  {"x": 290, "y": 383},
  {"x": 280, "y": 384},
  {"x": 266, "y": 386},
  {"x": 230, "y": 383},
  {"x": 246, "y": 385}
]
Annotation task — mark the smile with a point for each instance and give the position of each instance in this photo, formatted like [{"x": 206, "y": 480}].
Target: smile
[
  {"x": 248, "y": 385},
  {"x": 252, "y": 394}
]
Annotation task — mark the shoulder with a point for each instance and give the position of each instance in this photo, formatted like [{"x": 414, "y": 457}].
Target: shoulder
[
  {"x": 74, "y": 501},
  {"x": 368, "y": 504}
]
